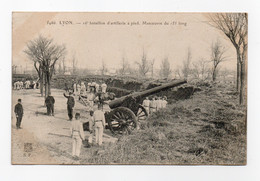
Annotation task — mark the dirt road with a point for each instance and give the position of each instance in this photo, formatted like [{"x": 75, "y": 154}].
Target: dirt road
[{"x": 46, "y": 139}]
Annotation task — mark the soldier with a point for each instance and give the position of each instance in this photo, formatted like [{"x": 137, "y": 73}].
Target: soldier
[
  {"x": 164, "y": 102},
  {"x": 74, "y": 88},
  {"x": 18, "y": 113},
  {"x": 88, "y": 87},
  {"x": 158, "y": 104},
  {"x": 34, "y": 84},
  {"x": 18, "y": 85},
  {"x": 66, "y": 87},
  {"x": 77, "y": 135},
  {"x": 146, "y": 104},
  {"x": 91, "y": 98},
  {"x": 15, "y": 85},
  {"x": 78, "y": 89},
  {"x": 93, "y": 85},
  {"x": 152, "y": 105},
  {"x": 99, "y": 121},
  {"x": 49, "y": 101},
  {"x": 83, "y": 88},
  {"x": 27, "y": 84},
  {"x": 91, "y": 125},
  {"x": 70, "y": 105},
  {"x": 21, "y": 84},
  {"x": 103, "y": 87},
  {"x": 97, "y": 87}
]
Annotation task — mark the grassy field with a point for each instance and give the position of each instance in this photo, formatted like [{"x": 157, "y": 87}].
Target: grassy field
[{"x": 209, "y": 128}]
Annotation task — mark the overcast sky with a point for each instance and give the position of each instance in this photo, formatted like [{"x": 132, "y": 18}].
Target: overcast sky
[{"x": 92, "y": 44}]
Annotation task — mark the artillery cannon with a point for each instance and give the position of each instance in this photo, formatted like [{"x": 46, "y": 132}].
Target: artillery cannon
[{"x": 127, "y": 111}]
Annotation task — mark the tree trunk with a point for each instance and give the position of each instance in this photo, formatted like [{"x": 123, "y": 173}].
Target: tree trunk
[
  {"x": 238, "y": 70},
  {"x": 242, "y": 83},
  {"x": 45, "y": 86},
  {"x": 238, "y": 75},
  {"x": 214, "y": 74},
  {"x": 41, "y": 84}
]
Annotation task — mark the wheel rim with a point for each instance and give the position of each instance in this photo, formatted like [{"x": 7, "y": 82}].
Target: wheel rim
[{"x": 122, "y": 121}]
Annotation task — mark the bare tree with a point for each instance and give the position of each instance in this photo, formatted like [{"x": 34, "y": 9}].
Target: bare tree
[
  {"x": 103, "y": 68},
  {"x": 144, "y": 65},
  {"x": 235, "y": 27},
  {"x": 152, "y": 64},
  {"x": 60, "y": 68},
  {"x": 74, "y": 64},
  {"x": 165, "y": 71},
  {"x": 186, "y": 64},
  {"x": 217, "y": 56},
  {"x": 177, "y": 73},
  {"x": 124, "y": 66},
  {"x": 44, "y": 53},
  {"x": 203, "y": 69},
  {"x": 63, "y": 65}
]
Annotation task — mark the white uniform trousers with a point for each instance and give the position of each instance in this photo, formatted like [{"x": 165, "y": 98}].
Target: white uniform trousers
[
  {"x": 76, "y": 145},
  {"x": 91, "y": 105},
  {"x": 90, "y": 138},
  {"x": 147, "y": 109},
  {"x": 152, "y": 110},
  {"x": 99, "y": 132}
]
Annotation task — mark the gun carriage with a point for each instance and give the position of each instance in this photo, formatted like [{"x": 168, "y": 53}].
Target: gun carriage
[{"x": 127, "y": 111}]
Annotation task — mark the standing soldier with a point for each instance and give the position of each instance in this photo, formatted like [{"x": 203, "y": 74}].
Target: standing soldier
[
  {"x": 21, "y": 84},
  {"x": 18, "y": 113},
  {"x": 93, "y": 85},
  {"x": 83, "y": 88},
  {"x": 97, "y": 87},
  {"x": 146, "y": 104},
  {"x": 49, "y": 101},
  {"x": 66, "y": 87},
  {"x": 70, "y": 105},
  {"x": 78, "y": 89},
  {"x": 91, "y": 98},
  {"x": 164, "y": 102},
  {"x": 104, "y": 87},
  {"x": 152, "y": 105},
  {"x": 15, "y": 85},
  {"x": 34, "y": 84},
  {"x": 99, "y": 121},
  {"x": 88, "y": 87},
  {"x": 77, "y": 135},
  {"x": 91, "y": 126},
  {"x": 74, "y": 88},
  {"x": 158, "y": 104}
]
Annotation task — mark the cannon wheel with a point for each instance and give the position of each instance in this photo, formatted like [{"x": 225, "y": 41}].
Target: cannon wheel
[
  {"x": 141, "y": 114},
  {"x": 122, "y": 121}
]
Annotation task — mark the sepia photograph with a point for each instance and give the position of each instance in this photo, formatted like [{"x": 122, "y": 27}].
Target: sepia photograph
[{"x": 93, "y": 88}]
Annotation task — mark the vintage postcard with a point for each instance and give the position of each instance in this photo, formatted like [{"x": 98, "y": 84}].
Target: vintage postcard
[{"x": 129, "y": 88}]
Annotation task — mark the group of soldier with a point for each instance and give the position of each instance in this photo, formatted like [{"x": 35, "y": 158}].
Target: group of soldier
[
  {"x": 155, "y": 104},
  {"x": 26, "y": 84},
  {"x": 96, "y": 122},
  {"x": 82, "y": 89},
  {"x": 96, "y": 118},
  {"x": 96, "y": 126}
]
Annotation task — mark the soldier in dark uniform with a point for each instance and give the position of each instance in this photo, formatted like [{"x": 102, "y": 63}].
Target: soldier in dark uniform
[
  {"x": 49, "y": 101},
  {"x": 70, "y": 105},
  {"x": 18, "y": 113}
]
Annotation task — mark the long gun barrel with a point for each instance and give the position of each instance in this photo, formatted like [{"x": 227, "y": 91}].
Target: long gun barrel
[{"x": 118, "y": 102}]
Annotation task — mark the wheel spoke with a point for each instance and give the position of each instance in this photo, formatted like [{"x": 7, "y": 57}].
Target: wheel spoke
[
  {"x": 141, "y": 116},
  {"x": 113, "y": 124},
  {"x": 139, "y": 112},
  {"x": 116, "y": 116}
]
